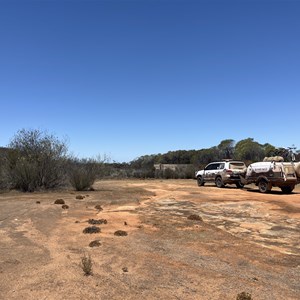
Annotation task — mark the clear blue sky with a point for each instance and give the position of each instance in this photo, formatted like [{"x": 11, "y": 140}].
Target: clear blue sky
[{"x": 130, "y": 78}]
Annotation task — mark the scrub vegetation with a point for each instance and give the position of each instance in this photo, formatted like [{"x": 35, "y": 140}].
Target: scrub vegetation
[{"x": 36, "y": 160}]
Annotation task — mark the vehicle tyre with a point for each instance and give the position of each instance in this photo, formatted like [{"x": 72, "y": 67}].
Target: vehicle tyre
[
  {"x": 287, "y": 189},
  {"x": 219, "y": 182},
  {"x": 239, "y": 185},
  {"x": 263, "y": 186},
  {"x": 200, "y": 181}
]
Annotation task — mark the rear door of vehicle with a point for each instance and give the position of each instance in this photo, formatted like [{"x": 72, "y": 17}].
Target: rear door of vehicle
[{"x": 237, "y": 167}]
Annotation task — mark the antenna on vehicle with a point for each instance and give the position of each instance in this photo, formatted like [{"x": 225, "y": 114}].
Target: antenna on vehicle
[{"x": 291, "y": 152}]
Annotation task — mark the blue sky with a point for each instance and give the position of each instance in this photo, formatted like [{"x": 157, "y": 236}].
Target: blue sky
[{"x": 130, "y": 78}]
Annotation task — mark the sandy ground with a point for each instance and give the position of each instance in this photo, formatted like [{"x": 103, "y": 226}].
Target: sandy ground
[{"x": 246, "y": 241}]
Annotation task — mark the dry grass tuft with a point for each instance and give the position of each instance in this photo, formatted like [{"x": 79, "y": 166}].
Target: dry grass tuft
[
  {"x": 86, "y": 265},
  {"x": 98, "y": 206}
]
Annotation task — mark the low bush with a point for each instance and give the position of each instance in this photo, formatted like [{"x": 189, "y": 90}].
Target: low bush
[
  {"x": 86, "y": 264},
  {"x": 59, "y": 201},
  {"x": 92, "y": 229},
  {"x": 195, "y": 218},
  {"x": 100, "y": 221},
  {"x": 83, "y": 173},
  {"x": 120, "y": 233},
  {"x": 95, "y": 243},
  {"x": 244, "y": 296}
]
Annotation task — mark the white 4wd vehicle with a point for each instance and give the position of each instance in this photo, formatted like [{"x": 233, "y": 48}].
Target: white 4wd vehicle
[{"x": 222, "y": 173}]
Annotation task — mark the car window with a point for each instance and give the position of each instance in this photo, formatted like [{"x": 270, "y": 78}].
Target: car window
[
  {"x": 208, "y": 167},
  {"x": 237, "y": 165},
  {"x": 214, "y": 166}
]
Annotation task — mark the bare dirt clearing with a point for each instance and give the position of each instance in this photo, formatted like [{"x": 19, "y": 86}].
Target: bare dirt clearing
[{"x": 243, "y": 241}]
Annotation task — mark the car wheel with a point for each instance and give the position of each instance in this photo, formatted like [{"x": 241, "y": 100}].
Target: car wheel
[
  {"x": 287, "y": 189},
  {"x": 239, "y": 185},
  {"x": 200, "y": 181},
  {"x": 219, "y": 182},
  {"x": 263, "y": 186}
]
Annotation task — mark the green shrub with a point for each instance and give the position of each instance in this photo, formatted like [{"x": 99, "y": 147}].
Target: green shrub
[
  {"x": 34, "y": 160},
  {"x": 25, "y": 176},
  {"x": 169, "y": 174},
  {"x": 83, "y": 175}
]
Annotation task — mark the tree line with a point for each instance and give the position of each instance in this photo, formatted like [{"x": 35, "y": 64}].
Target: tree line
[
  {"x": 36, "y": 160},
  {"x": 247, "y": 150}
]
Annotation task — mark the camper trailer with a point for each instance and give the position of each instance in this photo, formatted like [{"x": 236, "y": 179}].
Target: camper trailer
[{"x": 273, "y": 172}]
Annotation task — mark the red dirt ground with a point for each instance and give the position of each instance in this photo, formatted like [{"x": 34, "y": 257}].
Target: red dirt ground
[{"x": 246, "y": 241}]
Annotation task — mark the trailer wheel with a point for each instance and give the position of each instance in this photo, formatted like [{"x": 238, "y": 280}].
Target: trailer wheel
[
  {"x": 287, "y": 189},
  {"x": 219, "y": 182},
  {"x": 200, "y": 181},
  {"x": 264, "y": 186},
  {"x": 239, "y": 185}
]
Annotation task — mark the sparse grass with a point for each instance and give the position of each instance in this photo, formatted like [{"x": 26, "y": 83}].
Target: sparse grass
[
  {"x": 98, "y": 206},
  {"x": 87, "y": 265}
]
